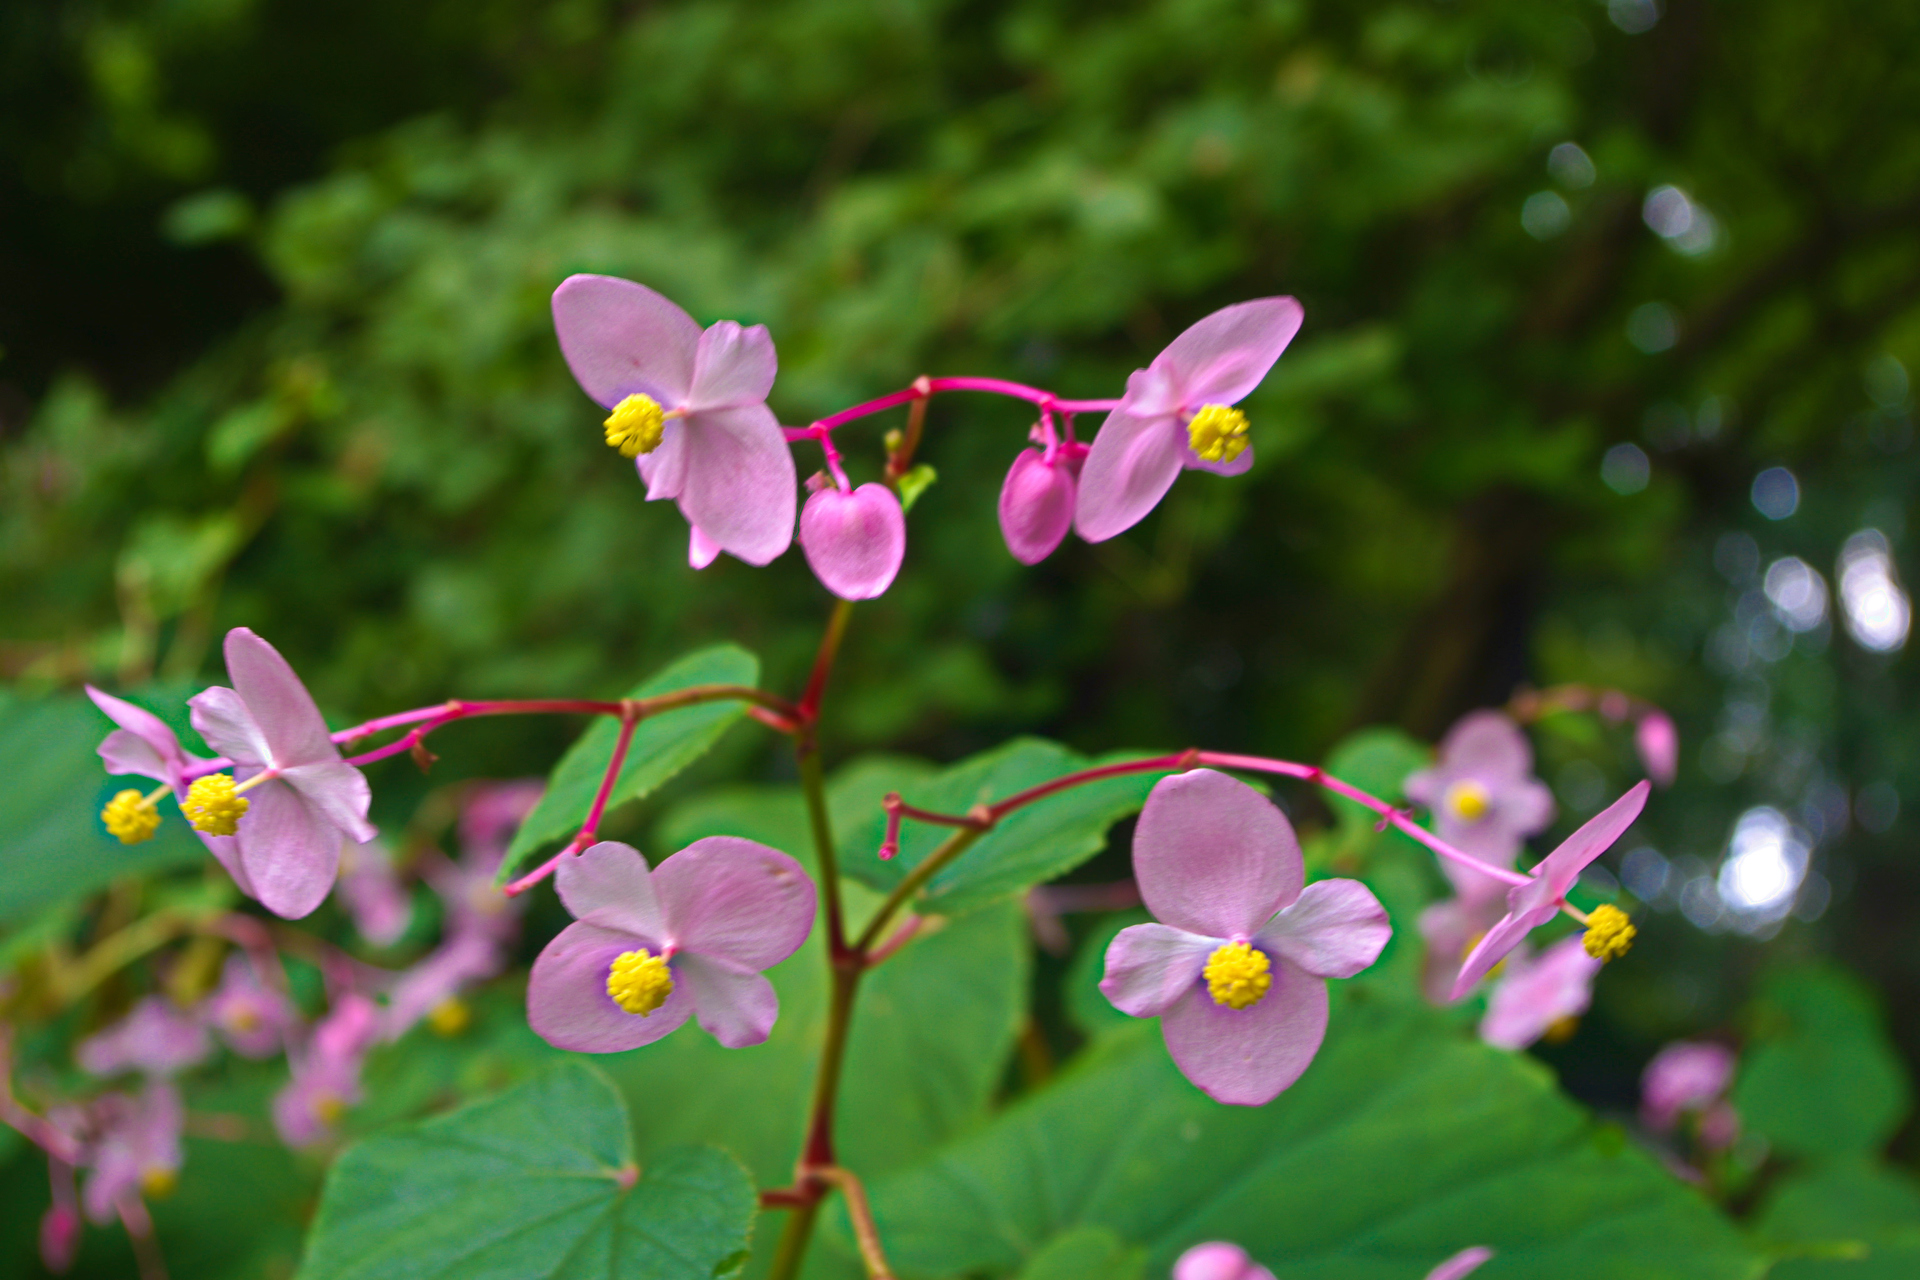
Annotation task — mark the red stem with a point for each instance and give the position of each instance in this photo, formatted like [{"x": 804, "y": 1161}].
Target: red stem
[{"x": 629, "y": 719}]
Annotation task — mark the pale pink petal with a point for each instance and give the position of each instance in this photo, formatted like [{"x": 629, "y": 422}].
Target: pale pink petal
[
  {"x": 1658, "y": 743},
  {"x": 1134, "y": 460},
  {"x": 609, "y": 885},
  {"x": 1533, "y": 995},
  {"x": 1461, "y": 1264},
  {"x": 373, "y": 894},
  {"x": 854, "y": 542},
  {"x": 1247, "y": 1056},
  {"x": 280, "y": 704},
  {"x": 701, "y": 550},
  {"x": 124, "y": 751},
  {"x": 1334, "y": 929},
  {"x": 155, "y": 1038},
  {"x": 567, "y": 1001},
  {"x": 143, "y": 744},
  {"x": 1221, "y": 357},
  {"x": 1036, "y": 506},
  {"x": 736, "y": 901},
  {"x": 741, "y": 489},
  {"x": 1149, "y": 966},
  {"x": 226, "y": 851},
  {"x": 732, "y": 366},
  {"x": 1563, "y": 866},
  {"x": 664, "y": 471},
  {"x": 622, "y": 339},
  {"x": 735, "y": 1007},
  {"x": 1213, "y": 856},
  {"x": 1450, "y": 927},
  {"x": 1507, "y": 933},
  {"x": 1238, "y": 465},
  {"x": 289, "y": 850},
  {"x": 1218, "y": 1260},
  {"x": 222, "y": 718},
  {"x": 337, "y": 791},
  {"x": 1526, "y": 807},
  {"x": 1487, "y": 744}
]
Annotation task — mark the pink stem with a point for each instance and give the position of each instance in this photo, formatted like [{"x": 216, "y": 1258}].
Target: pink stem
[
  {"x": 901, "y": 937},
  {"x": 628, "y": 722},
  {"x": 929, "y": 386}
]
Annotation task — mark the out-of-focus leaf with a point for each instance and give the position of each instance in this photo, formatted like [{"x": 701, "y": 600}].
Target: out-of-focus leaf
[
  {"x": 1852, "y": 1219},
  {"x": 540, "y": 1181},
  {"x": 662, "y": 746},
  {"x": 1083, "y": 1253}
]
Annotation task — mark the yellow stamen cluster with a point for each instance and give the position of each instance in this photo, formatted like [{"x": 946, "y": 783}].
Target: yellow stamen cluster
[
  {"x": 1467, "y": 800},
  {"x": 1609, "y": 933},
  {"x": 1217, "y": 433},
  {"x": 1561, "y": 1030},
  {"x": 639, "y": 981},
  {"x": 211, "y": 805},
  {"x": 636, "y": 426},
  {"x": 158, "y": 1182},
  {"x": 328, "y": 1108},
  {"x": 1237, "y": 975},
  {"x": 450, "y": 1017},
  {"x": 131, "y": 817}
]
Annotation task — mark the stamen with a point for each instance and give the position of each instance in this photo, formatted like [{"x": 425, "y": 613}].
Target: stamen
[
  {"x": 639, "y": 981},
  {"x": 214, "y": 805},
  {"x": 1609, "y": 933},
  {"x": 158, "y": 1183},
  {"x": 1467, "y": 800},
  {"x": 131, "y": 817},
  {"x": 1237, "y": 975},
  {"x": 1217, "y": 433},
  {"x": 636, "y": 425},
  {"x": 450, "y": 1017}
]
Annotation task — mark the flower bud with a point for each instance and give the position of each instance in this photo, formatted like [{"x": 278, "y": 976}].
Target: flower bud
[
  {"x": 1036, "y": 506},
  {"x": 854, "y": 542},
  {"x": 1658, "y": 743}
]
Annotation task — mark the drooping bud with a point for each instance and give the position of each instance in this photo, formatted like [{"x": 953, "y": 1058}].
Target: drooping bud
[
  {"x": 1658, "y": 743},
  {"x": 854, "y": 542},
  {"x": 1036, "y": 506}
]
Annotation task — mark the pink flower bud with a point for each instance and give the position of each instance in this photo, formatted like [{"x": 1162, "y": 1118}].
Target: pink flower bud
[
  {"x": 1218, "y": 1260},
  {"x": 59, "y": 1238},
  {"x": 1659, "y": 745},
  {"x": 1036, "y": 506},
  {"x": 854, "y": 542}
]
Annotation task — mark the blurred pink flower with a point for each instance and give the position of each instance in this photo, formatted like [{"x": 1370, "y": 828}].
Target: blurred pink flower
[
  {"x": 1175, "y": 414},
  {"x": 253, "y": 1018},
  {"x": 711, "y": 444},
  {"x": 326, "y": 1074},
  {"x": 1235, "y": 970},
  {"x": 1484, "y": 797},
  {"x": 1461, "y": 1264},
  {"x": 133, "y": 1148},
  {"x": 1218, "y": 1260},
  {"x": 287, "y": 845},
  {"x": 1037, "y": 499},
  {"x": 156, "y": 1038},
  {"x": 1534, "y": 993},
  {"x": 1658, "y": 743},
  {"x": 1686, "y": 1076},
  {"x": 374, "y": 896},
  {"x": 1450, "y": 928},
  {"x": 649, "y": 949},
  {"x": 854, "y": 542},
  {"x": 1539, "y": 900}
]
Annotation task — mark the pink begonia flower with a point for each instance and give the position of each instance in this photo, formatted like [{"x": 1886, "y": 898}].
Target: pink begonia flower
[
  {"x": 1450, "y": 929},
  {"x": 253, "y": 1018},
  {"x": 143, "y": 744},
  {"x": 1658, "y": 743},
  {"x": 1218, "y": 1260},
  {"x": 1533, "y": 904},
  {"x": 1235, "y": 968},
  {"x": 1036, "y": 503},
  {"x": 134, "y": 1147},
  {"x": 692, "y": 407},
  {"x": 287, "y": 845},
  {"x": 1687, "y": 1075},
  {"x": 854, "y": 542},
  {"x": 326, "y": 1076},
  {"x": 1176, "y": 414},
  {"x": 1484, "y": 797},
  {"x": 375, "y": 899},
  {"x": 648, "y": 949},
  {"x": 155, "y": 1038},
  {"x": 1536, "y": 993},
  {"x": 1461, "y": 1264}
]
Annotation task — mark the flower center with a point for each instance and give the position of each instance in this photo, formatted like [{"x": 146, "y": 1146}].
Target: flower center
[
  {"x": 639, "y": 981},
  {"x": 1217, "y": 433},
  {"x": 158, "y": 1182},
  {"x": 131, "y": 817},
  {"x": 213, "y": 805},
  {"x": 450, "y": 1017},
  {"x": 1609, "y": 932},
  {"x": 1467, "y": 800},
  {"x": 636, "y": 425},
  {"x": 1237, "y": 975}
]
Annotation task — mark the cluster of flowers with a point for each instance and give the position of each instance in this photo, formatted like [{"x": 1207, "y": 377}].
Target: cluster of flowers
[{"x": 1222, "y": 1260}]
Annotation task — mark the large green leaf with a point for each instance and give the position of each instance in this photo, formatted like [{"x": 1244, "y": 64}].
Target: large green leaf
[
  {"x": 662, "y": 746},
  {"x": 1821, "y": 1078},
  {"x": 1403, "y": 1143},
  {"x": 52, "y": 846},
  {"x": 1852, "y": 1219},
  {"x": 539, "y": 1182},
  {"x": 1083, "y": 1253},
  {"x": 1028, "y": 847}
]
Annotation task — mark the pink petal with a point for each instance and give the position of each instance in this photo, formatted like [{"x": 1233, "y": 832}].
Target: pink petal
[
  {"x": 1563, "y": 866},
  {"x": 1531, "y": 996},
  {"x": 567, "y": 1001},
  {"x": 736, "y": 901},
  {"x": 222, "y": 718},
  {"x": 155, "y": 1038},
  {"x": 1334, "y": 929},
  {"x": 1658, "y": 743},
  {"x": 732, "y": 366},
  {"x": 337, "y": 791},
  {"x": 609, "y": 885},
  {"x": 226, "y": 851},
  {"x": 1487, "y": 744},
  {"x": 1222, "y": 357},
  {"x": 1506, "y": 934},
  {"x": 734, "y": 1007},
  {"x": 622, "y": 339},
  {"x": 1036, "y": 506},
  {"x": 1134, "y": 460},
  {"x": 701, "y": 550},
  {"x": 1461, "y": 1264},
  {"x": 1213, "y": 856},
  {"x": 290, "y": 852},
  {"x": 854, "y": 542},
  {"x": 1149, "y": 966},
  {"x": 280, "y": 704},
  {"x": 1218, "y": 1260},
  {"x": 664, "y": 471},
  {"x": 741, "y": 489},
  {"x": 143, "y": 744},
  {"x": 1247, "y": 1056}
]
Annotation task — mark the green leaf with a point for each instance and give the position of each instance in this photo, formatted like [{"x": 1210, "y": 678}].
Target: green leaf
[
  {"x": 1821, "y": 1077},
  {"x": 662, "y": 746},
  {"x": 53, "y": 848},
  {"x": 914, "y": 483},
  {"x": 1028, "y": 847},
  {"x": 1084, "y": 1253},
  {"x": 532, "y": 1183},
  {"x": 1852, "y": 1219},
  {"x": 1402, "y": 1144}
]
